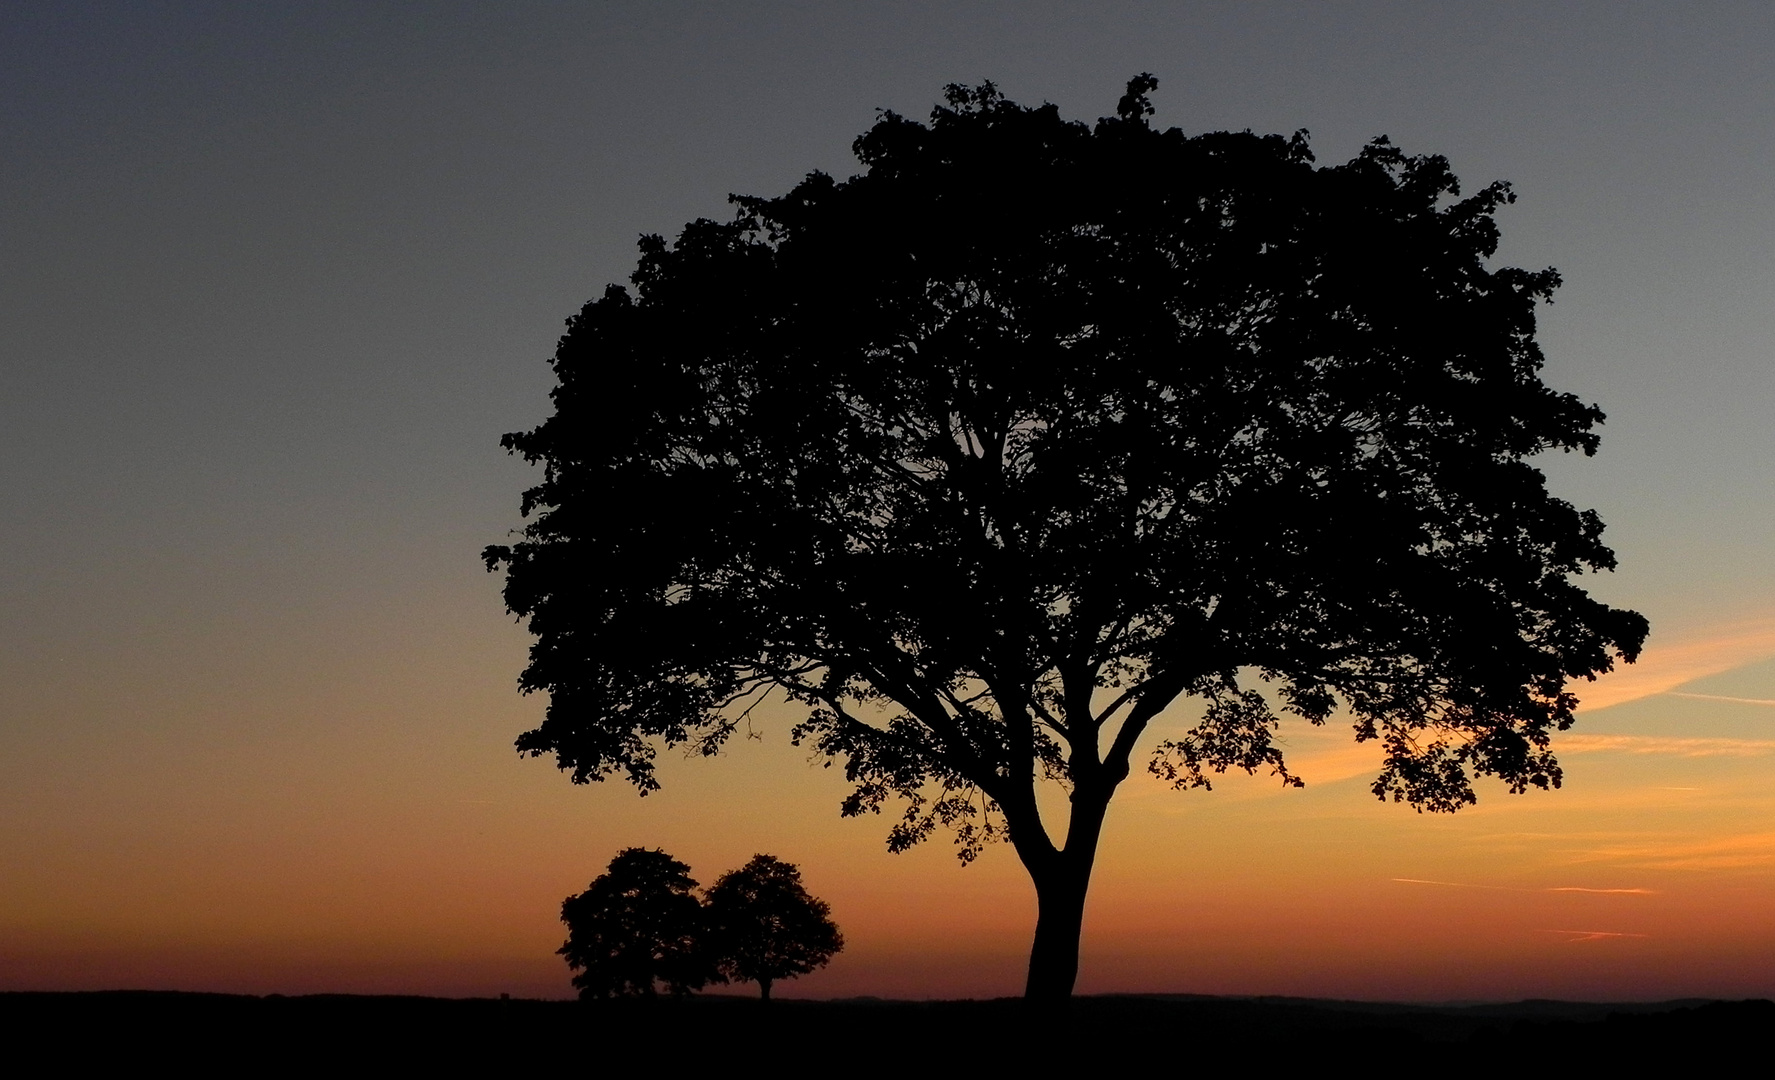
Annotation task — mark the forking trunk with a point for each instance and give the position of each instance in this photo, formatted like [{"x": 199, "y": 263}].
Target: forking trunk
[{"x": 1061, "y": 881}]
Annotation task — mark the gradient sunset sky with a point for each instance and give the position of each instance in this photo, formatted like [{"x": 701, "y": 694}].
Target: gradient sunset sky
[{"x": 274, "y": 279}]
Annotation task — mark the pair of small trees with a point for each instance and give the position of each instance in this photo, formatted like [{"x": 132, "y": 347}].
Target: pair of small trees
[{"x": 641, "y": 924}]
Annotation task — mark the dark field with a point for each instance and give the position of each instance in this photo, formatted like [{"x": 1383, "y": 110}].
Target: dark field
[{"x": 248, "y": 1035}]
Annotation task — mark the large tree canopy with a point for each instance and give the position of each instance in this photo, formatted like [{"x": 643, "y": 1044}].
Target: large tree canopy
[{"x": 988, "y": 455}]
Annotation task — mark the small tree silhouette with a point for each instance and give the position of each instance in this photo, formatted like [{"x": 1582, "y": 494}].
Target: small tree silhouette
[
  {"x": 636, "y": 926},
  {"x": 764, "y": 925}
]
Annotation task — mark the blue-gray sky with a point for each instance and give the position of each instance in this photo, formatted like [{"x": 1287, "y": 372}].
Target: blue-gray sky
[{"x": 275, "y": 278}]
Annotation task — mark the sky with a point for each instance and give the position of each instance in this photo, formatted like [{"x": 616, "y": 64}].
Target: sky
[{"x": 274, "y": 279}]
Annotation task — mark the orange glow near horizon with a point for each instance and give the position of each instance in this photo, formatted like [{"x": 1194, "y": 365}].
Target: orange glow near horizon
[
  {"x": 388, "y": 853},
  {"x": 279, "y": 277}
]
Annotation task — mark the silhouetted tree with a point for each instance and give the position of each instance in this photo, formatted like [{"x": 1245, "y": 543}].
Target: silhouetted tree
[
  {"x": 638, "y": 925},
  {"x": 988, "y": 455},
  {"x": 763, "y": 925}
]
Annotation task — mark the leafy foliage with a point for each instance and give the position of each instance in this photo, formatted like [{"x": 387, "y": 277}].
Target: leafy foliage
[
  {"x": 764, "y": 926},
  {"x": 1032, "y": 410},
  {"x": 986, "y": 456},
  {"x": 638, "y": 925}
]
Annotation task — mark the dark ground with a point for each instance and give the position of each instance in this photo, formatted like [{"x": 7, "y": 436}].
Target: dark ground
[{"x": 213, "y": 1033}]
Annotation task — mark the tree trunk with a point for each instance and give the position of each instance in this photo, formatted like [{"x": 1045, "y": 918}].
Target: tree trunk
[
  {"x": 1060, "y": 886},
  {"x": 1060, "y": 915},
  {"x": 764, "y": 989}
]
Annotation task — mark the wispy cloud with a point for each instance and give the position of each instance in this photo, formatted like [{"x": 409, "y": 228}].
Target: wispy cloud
[
  {"x": 1662, "y": 668},
  {"x": 1338, "y": 762},
  {"x": 1659, "y": 744},
  {"x": 1715, "y": 853}
]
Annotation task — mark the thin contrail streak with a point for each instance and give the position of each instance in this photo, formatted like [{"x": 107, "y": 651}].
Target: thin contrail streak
[
  {"x": 1580, "y": 888},
  {"x": 1723, "y": 697},
  {"x": 1456, "y": 884},
  {"x": 1514, "y": 888},
  {"x": 1592, "y": 935}
]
